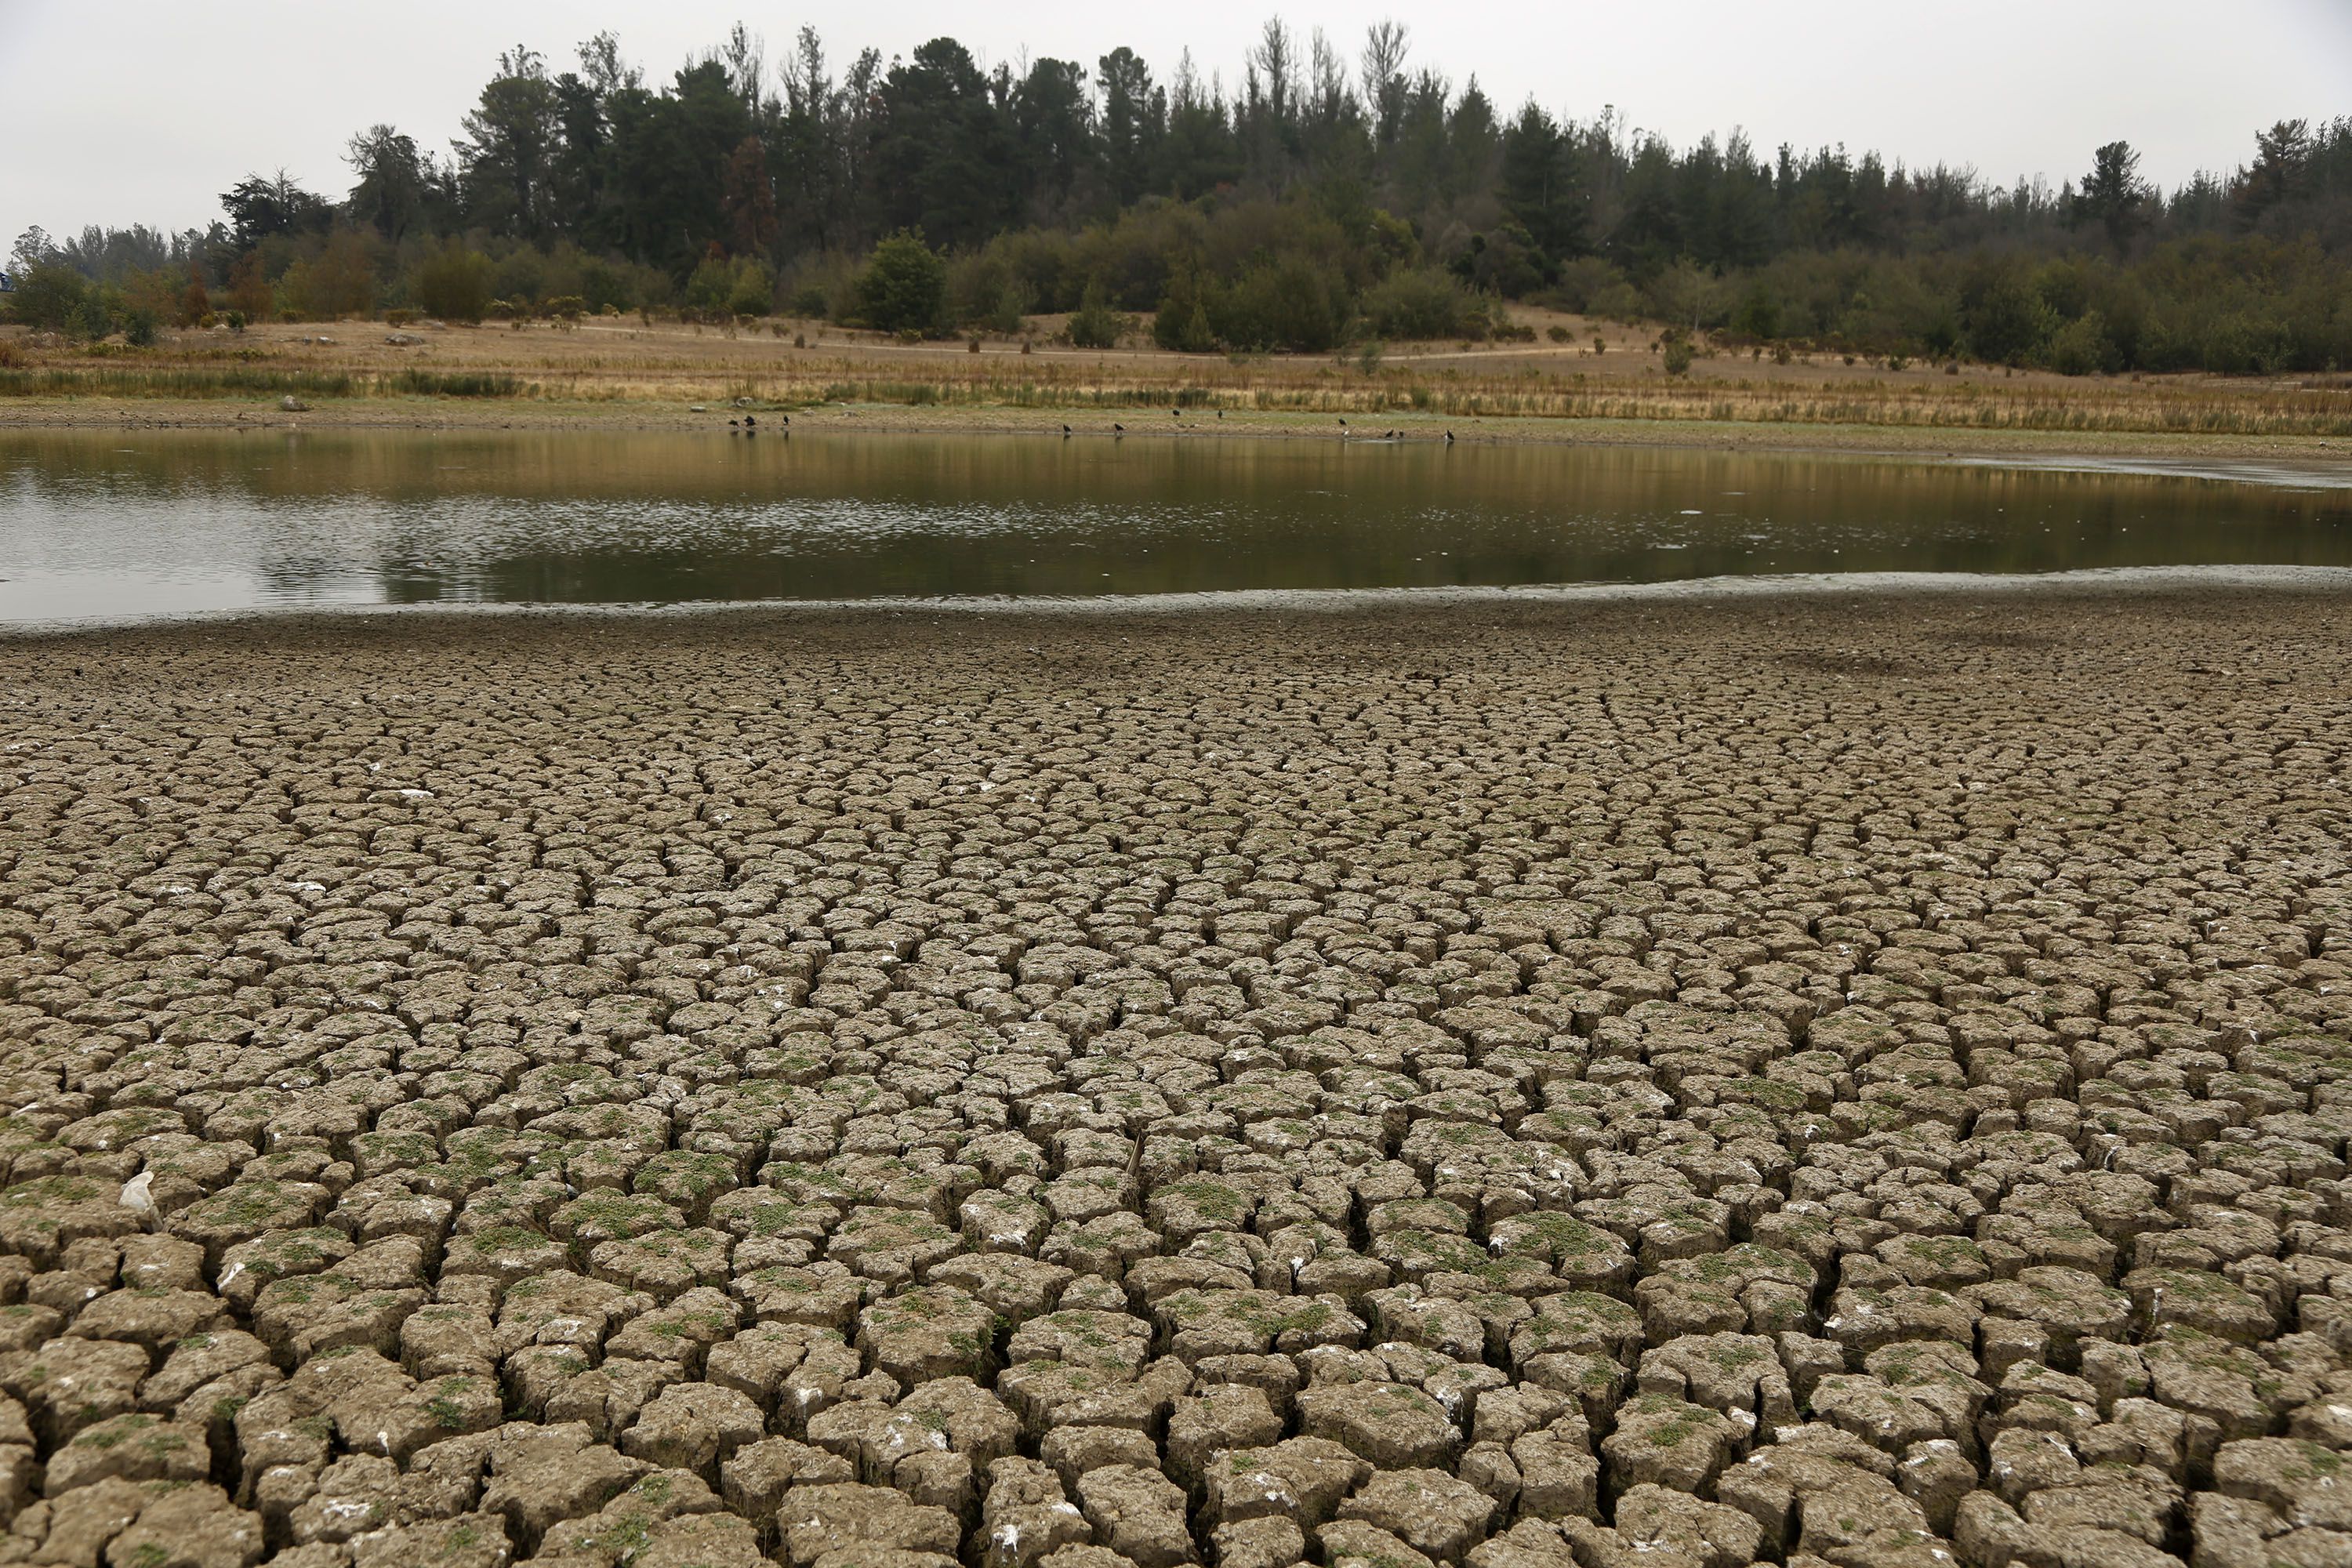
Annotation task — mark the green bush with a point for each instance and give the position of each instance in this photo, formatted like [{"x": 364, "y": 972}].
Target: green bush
[
  {"x": 723, "y": 287},
  {"x": 904, "y": 286},
  {"x": 754, "y": 292},
  {"x": 1011, "y": 309},
  {"x": 2081, "y": 347},
  {"x": 1581, "y": 284},
  {"x": 454, "y": 284},
  {"x": 2246, "y": 342},
  {"x": 1096, "y": 325},
  {"x": 96, "y": 316},
  {"x": 1291, "y": 304},
  {"x": 1422, "y": 304},
  {"x": 2004, "y": 317},
  {"x": 1181, "y": 326},
  {"x": 976, "y": 287},
  {"x": 1759, "y": 315},
  {"x": 1181, "y": 322},
  {"x": 49, "y": 297},
  {"x": 1678, "y": 354}
]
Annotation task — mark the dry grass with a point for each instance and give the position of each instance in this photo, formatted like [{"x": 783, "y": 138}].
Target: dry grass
[{"x": 621, "y": 363}]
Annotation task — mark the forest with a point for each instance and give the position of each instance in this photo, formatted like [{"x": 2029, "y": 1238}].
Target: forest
[{"x": 1331, "y": 195}]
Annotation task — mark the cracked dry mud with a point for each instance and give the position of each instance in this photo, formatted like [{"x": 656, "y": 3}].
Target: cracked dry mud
[{"x": 1858, "y": 1080}]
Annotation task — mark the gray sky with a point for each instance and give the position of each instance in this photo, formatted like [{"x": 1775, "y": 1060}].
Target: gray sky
[{"x": 143, "y": 111}]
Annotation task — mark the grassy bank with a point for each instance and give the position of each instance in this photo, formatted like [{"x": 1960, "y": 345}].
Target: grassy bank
[{"x": 637, "y": 374}]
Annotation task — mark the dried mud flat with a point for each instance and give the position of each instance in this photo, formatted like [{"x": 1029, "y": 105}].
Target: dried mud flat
[{"x": 1855, "y": 1080}]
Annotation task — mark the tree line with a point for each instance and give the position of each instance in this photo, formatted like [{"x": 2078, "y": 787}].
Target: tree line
[{"x": 1324, "y": 195}]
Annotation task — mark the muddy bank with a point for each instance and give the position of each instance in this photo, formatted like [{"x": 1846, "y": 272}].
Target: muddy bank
[{"x": 1853, "y": 1077}]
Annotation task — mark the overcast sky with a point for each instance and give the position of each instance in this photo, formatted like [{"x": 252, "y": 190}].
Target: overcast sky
[{"x": 143, "y": 111}]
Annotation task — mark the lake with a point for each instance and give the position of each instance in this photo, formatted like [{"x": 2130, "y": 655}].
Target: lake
[{"x": 120, "y": 526}]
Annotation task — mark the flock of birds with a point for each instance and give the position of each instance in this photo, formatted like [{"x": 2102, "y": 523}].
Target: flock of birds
[
  {"x": 749, "y": 425},
  {"x": 1345, "y": 432}
]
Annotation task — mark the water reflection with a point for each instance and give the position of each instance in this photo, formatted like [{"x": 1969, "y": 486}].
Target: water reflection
[{"x": 113, "y": 525}]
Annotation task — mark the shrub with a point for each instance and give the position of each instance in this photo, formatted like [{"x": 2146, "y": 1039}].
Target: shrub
[
  {"x": 1181, "y": 326},
  {"x": 1181, "y": 322},
  {"x": 1759, "y": 315},
  {"x": 2246, "y": 343},
  {"x": 194, "y": 303},
  {"x": 1291, "y": 304},
  {"x": 904, "y": 286},
  {"x": 976, "y": 287},
  {"x": 708, "y": 290},
  {"x": 49, "y": 297},
  {"x": 338, "y": 281},
  {"x": 1011, "y": 307},
  {"x": 1678, "y": 354},
  {"x": 2081, "y": 347},
  {"x": 1999, "y": 311},
  {"x": 1558, "y": 334},
  {"x": 1582, "y": 281},
  {"x": 1619, "y": 301},
  {"x": 95, "y": 316},
  {"x": 754, "y": 293},
  {"x": 248, "y": 288},
  {"x": 453, "y": 283},
  {"x": 1424, "y": 303},
  {"x": 1096, "y": 325},
  {"x": 567, "y": 307},
  {"x": 139, "y": 329}
]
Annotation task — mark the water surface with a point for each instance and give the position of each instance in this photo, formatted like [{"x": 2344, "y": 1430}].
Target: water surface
[{"x": 98, "y": 525}]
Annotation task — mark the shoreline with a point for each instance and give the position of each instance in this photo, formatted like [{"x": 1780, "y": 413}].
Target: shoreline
[
  {"x": 422, "y": 416},
  {"x": 2114, "y": 583}
]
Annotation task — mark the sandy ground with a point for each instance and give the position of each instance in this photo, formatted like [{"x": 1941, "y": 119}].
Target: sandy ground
[{"x": 1849, "y": 1078}]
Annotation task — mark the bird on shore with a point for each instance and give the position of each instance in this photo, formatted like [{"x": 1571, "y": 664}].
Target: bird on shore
[
  {"x": 1449, "y": 438},
  {"x": 1175, "y": 414},
  {"x": 1221, "y": 413},
  {"x": 750, "y": 422},
  {"x": 1117, "y": 429},
  {"x": 1066, "y": 432}
]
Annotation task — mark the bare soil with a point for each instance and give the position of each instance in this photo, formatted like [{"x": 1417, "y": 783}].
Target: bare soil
[{"x": 1848, "y": 1079}]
